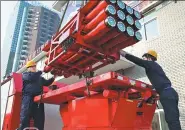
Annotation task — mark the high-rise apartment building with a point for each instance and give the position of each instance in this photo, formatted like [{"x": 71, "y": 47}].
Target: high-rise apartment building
[{"x": 30, "y": 26}]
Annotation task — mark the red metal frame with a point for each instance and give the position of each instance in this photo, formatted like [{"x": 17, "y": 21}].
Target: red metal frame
[
  {"x": 107, "y": 81},
  {"x": 65, "y": 63}
]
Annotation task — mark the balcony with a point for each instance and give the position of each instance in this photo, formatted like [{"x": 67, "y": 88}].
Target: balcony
[
  {"x": 28, "y": 29},
  {"x": 26, "y": 38},
  {"x": 44, "y": 26},
  {"x": 30, "y": 12},
  {"x": 45, "y": 17},
  {"x": 23, "y": 57},
  {"x": 45, "y": 21},
  {"x": 28, "y": 24},
  {"x": 25, "y": 47},
  {"x": 26, "y": 33},
  {"x": 52, "y": 20},
  {"x": 51, "y": 29},
  {"x": 24, "y": 51},
  {"x": 46, "y": 13},
  {"x": 25, "y": 42},
  {"x": 21, "y": 62},
  {"x": 53, "y": 16},
  {"x": 29, "y": 19},
  {"x": 30, "y": 16}
]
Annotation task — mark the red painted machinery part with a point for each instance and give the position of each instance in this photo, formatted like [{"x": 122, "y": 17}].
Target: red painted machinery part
[
  {"x": 111, "y": 34},
  {"x": 118, "y": 39},
  {"x": 89, "y": 6},
  {"x": 110, "y": 94},
  {"x": 99, "y": 31},
  {"x": 130, "y": 41},
  {"x": 47, "y": 69},
  {"x": 100, "y": 17},
  {"x": 101, "y": 5}
]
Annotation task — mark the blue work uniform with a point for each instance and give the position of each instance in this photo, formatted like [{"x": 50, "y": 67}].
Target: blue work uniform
[
  {"x": 33, "y": 84},
  {"x": 168, "y": 96}
]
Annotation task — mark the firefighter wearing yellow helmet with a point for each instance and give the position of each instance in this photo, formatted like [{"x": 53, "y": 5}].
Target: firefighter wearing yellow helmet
[
  {"x": 33, "y": 84},
  {"x": 160, "y": 82}
]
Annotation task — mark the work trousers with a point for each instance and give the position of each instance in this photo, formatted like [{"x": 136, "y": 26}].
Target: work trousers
[
  {"x": 169, "y": 100},
  {"x": 30, "y": 109}
]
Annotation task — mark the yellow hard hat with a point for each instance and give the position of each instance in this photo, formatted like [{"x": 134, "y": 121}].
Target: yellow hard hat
[
  {"x": 30, "y": 64},
  {"x": 152, "y": 53}
]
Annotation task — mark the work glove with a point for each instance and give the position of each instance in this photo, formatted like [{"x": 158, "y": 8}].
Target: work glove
[{"x": 123, "y": 53}]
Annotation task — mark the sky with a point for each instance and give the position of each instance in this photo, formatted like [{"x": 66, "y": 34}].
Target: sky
[{"x": 6, "y": 10}]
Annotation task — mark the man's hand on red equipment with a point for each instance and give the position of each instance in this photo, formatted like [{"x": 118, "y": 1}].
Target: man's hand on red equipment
[{"x": 123, "y": 53}]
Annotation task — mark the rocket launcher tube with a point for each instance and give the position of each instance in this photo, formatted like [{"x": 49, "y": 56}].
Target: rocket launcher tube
[
  {"x": 137, "y": 25},
  {"x": 132, "y": 40},
  {"x": 120, "y": 4},
  {"x": 130, "y": 20},
  {"x": 138, "y": 36},
  {"x": 119, "y": 39},
  {"x": 100, "y": 30},
  {"x": 90, "y": 6},
  {"x": 121, "y": 15},
  {"x": 109, "y": 10},
  {"x": 129, "y": 10},
  {"x": 120, "y": 28},
  {"x": 137, "y": 14},
  {"x": 101, "y": 5}
]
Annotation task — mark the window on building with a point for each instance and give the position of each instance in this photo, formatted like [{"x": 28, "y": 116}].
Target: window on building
[
  {"x": 43, "y": 30},
  {"x": 45, "y": 21},
  {"x": 45, "y": 17},
  {"x": 45, "y": 13},
  {"x": 151, "y": 29}
]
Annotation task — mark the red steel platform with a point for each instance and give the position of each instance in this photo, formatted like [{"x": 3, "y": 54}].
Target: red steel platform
[
  {"x": 112, "y": 104},
  {"x": 107, "y": 81}
]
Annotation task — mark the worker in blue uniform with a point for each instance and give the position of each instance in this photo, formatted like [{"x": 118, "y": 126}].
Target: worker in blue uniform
[
  {"x": 33, "y": 84},
  {"x": 168, "y": 96}
]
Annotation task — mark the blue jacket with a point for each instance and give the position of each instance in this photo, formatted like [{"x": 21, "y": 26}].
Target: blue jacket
[
  {"x": 33, "y": 83},
  {"x": 154, "y": 72}
]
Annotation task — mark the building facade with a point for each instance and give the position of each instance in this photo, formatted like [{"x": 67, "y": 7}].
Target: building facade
[
  {"x": 163, "y": 30},
  {"x": 32, "y": 25}
]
